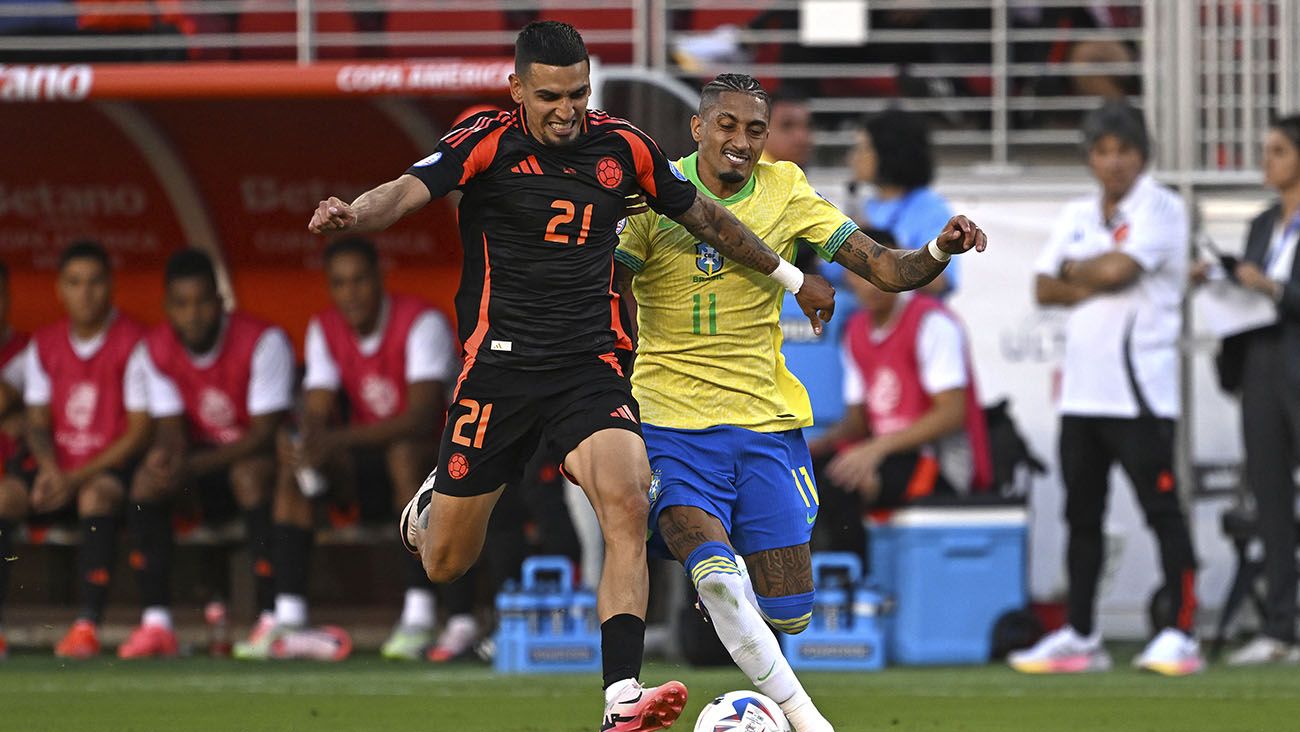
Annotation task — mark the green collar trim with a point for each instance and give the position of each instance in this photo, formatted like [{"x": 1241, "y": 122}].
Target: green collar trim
[{"x": 690, "y": 166}]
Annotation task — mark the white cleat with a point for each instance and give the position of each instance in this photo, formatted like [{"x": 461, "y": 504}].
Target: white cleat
[
  {"x": 1062, "y": 652},
  {"x": 415, "y": 515},
  {"x": 1172, "y": 653},
  {"x": 1264, "y": 650},
  {"x": 804, "y": 716}
]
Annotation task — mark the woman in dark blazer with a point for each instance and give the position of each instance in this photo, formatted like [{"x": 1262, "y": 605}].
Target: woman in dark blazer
[{"x": 1270, "y": 392}]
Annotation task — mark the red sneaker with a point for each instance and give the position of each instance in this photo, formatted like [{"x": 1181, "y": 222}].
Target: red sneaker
[
  {"x": 149, "y": 641},
  {"x": 639, "y": 709},
  {"x": 82, "y": 641}
]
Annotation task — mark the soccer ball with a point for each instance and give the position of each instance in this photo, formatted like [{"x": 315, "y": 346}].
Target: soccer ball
[{"x": 742, "y": 711}]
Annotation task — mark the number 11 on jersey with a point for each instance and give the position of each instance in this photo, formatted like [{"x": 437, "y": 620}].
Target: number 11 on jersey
[{"x": 696, "y": 302}]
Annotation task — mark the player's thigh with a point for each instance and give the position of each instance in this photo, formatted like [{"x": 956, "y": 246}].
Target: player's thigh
[
  {"x": 13, "y": 499},
  {"x": 612, "y": 469},
  {"x": 684, "y": 528},
  {"x": 252, "y": 480},
  {"x": 777, "y": 501},
  {"x": 689, "y": 469},
  {"x": 409, "y": 461}
]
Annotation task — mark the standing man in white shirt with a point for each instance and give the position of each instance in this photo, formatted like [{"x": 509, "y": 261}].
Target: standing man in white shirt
[
  {"x": 220, "y": 386},
  {"x": 1119, "y": 263}
]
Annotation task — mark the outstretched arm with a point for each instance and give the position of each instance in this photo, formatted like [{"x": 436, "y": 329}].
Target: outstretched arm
[
  {"x": 715, "y": 225},
  {"x": 894, "y": 270},
  {"x": 375, "y": 210}
]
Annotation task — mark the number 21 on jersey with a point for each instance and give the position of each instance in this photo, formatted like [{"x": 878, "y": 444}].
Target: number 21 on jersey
[
  {"x": 565, "y": 216},
  {"x": 465, "y": 432}
]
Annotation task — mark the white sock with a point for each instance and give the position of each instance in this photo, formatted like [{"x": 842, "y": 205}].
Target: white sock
[
  {"x": 157, "y": 615},
  {"x": 291, "y": 610},
  {"x": 743, "y": 631},
  {"x": 267, "y": 616},
  {"x": 802, "y": 714},
  {"x": 417, "y": 609},
  {"x": 749, "y": 585}
]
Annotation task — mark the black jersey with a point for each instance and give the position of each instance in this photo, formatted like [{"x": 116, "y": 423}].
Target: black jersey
[{"x": 537, "y": 225}]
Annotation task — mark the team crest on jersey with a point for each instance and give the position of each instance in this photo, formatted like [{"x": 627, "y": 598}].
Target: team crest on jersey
[
  {"x": 677, "y": 173},
  {"x": 80, "y": 408},
  {"x": 380, "y": 395},
  {"x": 622, "y": 224},
  {"x": 609, "y": 172},
  {"x": 216, "y": 410},
  {"x": 431, "y": 160},
  {"x": 885, "y": 391},
  {"x": 707, "y": 259}
]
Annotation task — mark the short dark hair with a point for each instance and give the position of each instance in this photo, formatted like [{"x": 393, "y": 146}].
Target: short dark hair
[
  {"x": 548, "y": 42},
  {"x": 743, "y": 83},
  {"x": 187, "y": 263},
  {"x": 1289, "y": 126},
  {"x": 358, "y": 245},
  {"x": 901, "y": 140},
  {"x": 85, "y": 249},
  {"x": 789, "y": 95},
  {"x": 1119, "y": 118}
]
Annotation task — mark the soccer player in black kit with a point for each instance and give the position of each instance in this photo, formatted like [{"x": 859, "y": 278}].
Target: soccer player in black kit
[{"x": 544, "y": 187}]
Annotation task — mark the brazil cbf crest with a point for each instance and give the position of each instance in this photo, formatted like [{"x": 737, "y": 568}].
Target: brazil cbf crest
[
  {"x": 707, "y": 259},
  {"x": 654, "y": 485}
]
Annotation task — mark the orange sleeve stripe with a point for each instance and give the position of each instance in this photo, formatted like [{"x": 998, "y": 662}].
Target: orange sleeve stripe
[
  {"x": 480, "y": 328},
  {"x": 481, "y": 156},
  {"x": 645, "y": 165}
]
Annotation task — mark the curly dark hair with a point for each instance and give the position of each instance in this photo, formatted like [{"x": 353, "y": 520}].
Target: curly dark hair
[
  {"x": 722, "y": 83},
  {"x": 903, "y": 153},
  {"x": 1289, "y": 126}
]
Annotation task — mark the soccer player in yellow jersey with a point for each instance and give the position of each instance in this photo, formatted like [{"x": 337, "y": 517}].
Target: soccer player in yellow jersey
[{"x": 722, "y": 416}]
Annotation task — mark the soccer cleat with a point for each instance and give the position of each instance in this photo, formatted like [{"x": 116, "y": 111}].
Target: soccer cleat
[
  {"x": 1264, "y": 650},
  {"x": 260, "y": 640},
  {"x": 81, "y": 642},
  {"x": 638, "y": 709},
  {"x": 1062, "y": 652},
  {"x": 406, "y": 643},
  {"x": 407, "y": 525},
  {"x": 326, "y": 643},
  {"x": 149, "y": 641},
  {"x": 804, "y": 716},
  {"x": 1172, "y": 653},
  {"x": 456, "y": 640}
]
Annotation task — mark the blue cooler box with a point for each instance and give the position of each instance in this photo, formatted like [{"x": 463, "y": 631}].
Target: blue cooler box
[{"x": 950, "y": 572}]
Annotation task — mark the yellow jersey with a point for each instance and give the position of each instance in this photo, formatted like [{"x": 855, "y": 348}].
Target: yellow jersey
[{"x": 709, "y": 347}]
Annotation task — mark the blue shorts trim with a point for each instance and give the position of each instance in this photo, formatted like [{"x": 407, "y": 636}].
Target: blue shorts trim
[{"x": 758, "y": 484}]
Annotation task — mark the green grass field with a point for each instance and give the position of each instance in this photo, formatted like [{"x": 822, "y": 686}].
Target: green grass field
[{"x": 40, "y": 694}]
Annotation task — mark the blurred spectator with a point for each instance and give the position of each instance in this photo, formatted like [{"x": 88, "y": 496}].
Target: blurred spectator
[
  {"x": 912, "y": 426},
  {"x": 1269, "y": 367},
  {"x": 220, "y": 385},
  {"x": 13, "y": 345},
  {"x": 894, "y": 154},
  {"x": 393, "y": 357},
  {"x": 88, "y": 421},
  {"x": 1118, "y": 261},
  {"x": 790, "y": 130}
]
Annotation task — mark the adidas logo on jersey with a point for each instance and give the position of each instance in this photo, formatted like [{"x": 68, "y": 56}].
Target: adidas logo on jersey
[{"x": 528, "y": 166}]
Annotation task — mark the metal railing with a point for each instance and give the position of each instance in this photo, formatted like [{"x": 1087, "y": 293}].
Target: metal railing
[{"x": 1000, "y": 78}]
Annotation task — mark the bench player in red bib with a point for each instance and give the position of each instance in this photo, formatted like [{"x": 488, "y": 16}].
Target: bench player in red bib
[
  {"x": 87, "y": 424},
  {"x": 544, "y": 186},
  {"x": 13, "y": 347},
  {"x": 220, "y": 385}
]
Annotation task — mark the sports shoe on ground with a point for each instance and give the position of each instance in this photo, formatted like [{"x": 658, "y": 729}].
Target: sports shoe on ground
[
  {"x": 406, "y": 643},
  {"x": 82, "y": 641},
  {"x": 1264, "y": 650},
  {"x": 149, "y": 641},
  {"x": 258, "y": 645},
  {"x": 456, "y": 640},
  {"x": 325, "y": 643},
  {"x": 638, "y": 709},
  {"x": 1062, "y": 652},
  {"x": 1172, "y": 653},
  {"x": 406, "y": 525}
]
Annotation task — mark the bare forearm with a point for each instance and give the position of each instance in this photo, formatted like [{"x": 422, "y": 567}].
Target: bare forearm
[
  {"x": 40, "y": 441},
  {"x": 850, "y": 429},
  {"x": 117, "y": 454},
  {"x": 259, "y": 440},
  {"x": 944, "y": 418},
  {"x": 713, "y": 224},
  {"x": 1049, "y": 290},
  {"x": 1103, "y": 273},
  {"x": 404, "y": 426},
  {"x": 380, "y": 207},
  {"x": 891, "y": 270}
]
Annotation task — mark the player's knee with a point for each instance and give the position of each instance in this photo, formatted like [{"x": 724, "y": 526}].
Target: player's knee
[
  {"x": 441, "y": 564},
  {"x": 100, "y": 496},
  {"x": 788, "y": 613},
  {"x": 13, "y": 500},
  {"x": 713, "y": 571},
  {"x": 625, "y": 516}
]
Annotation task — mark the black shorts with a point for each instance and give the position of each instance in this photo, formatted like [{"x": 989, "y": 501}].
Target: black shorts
[{"x": 501, "y": 416}]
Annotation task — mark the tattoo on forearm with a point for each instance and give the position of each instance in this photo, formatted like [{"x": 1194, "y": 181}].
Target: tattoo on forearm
[
  {"x": 781, "y": 572},
  {"x": 889, "y": 269},
  {"x": 714, "y": 224}
]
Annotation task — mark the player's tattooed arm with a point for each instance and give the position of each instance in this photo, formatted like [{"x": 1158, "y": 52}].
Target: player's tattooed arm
[
  {"x": 781, "y": 572},
  {"x": 714, "y": 224},
  {"x": 375, "y": 210},
  {"x": 893, "y": 270}
]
